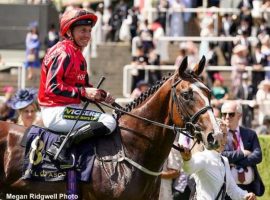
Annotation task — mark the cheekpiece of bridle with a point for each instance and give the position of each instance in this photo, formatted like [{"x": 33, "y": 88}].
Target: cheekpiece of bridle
[{"x": 192, "y": 129}]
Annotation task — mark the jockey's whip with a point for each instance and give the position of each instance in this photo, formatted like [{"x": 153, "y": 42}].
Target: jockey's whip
[{"x": 69, "y": 133}]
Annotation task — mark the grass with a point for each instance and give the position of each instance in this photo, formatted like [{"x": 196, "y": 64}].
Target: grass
[{"x": 263, "y": 167}]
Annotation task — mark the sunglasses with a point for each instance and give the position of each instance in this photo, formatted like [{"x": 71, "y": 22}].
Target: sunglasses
[{"x": 230, "y": 114}]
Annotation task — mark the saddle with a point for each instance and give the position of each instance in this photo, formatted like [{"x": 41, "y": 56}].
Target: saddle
[{"x": 38, "y": 166}]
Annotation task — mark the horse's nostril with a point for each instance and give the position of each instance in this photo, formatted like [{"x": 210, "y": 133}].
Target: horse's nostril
[
  {"x": 210, "y": 138},
  {"x": 212, "y": 143}
]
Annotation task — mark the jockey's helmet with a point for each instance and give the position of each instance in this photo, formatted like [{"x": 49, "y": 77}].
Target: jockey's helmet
[{"x": 76, "y": 17}]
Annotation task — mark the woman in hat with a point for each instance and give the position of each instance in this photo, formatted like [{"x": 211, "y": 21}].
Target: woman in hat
[
  {"x": 24, "y": 101},
  {"x": 65, "y": 83},
  {"x": 32, "y": 43},
  {"x": 239, "y": 61}
]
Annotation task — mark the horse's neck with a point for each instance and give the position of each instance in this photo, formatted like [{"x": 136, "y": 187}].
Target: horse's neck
[
  {"x": 148, "y": 141},
  {"x": 155, "y": 108}
]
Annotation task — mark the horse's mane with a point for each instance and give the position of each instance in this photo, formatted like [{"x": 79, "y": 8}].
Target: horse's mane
[{"x": 140, "y": 99}]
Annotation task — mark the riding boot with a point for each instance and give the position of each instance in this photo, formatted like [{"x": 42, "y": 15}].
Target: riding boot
[
  {"x": 64, "y": 160},
  {"x": 90, "y": 130},
  {"x": 85, "y": 132}
]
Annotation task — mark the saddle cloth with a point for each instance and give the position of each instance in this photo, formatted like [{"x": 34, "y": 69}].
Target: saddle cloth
[{"x": 37, "y": 165}]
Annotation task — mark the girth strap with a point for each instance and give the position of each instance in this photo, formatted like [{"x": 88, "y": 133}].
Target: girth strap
[{"x": 143, "y": 169}]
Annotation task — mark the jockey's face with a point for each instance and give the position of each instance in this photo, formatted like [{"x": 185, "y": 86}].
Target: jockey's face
[{"x": 82, "y": 35}]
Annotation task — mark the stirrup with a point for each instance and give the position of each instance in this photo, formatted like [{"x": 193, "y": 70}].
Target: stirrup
[{"x": 68, "y": 166}]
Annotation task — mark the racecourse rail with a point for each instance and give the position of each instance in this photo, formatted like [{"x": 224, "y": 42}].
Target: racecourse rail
[{"x": 127, "y": 73}]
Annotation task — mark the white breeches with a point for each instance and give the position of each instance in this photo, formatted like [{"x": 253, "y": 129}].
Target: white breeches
[{"x": 62, "y": 118}]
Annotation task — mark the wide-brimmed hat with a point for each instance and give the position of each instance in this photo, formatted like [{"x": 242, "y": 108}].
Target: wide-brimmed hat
[
  {"x": 33, "y": 24},
  {"x": 23, "y": 98},
  {"x": 217, "y": 76}
]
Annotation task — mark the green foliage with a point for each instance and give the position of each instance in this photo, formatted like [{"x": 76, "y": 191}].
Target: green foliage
[{"x": 264, "y": 165}]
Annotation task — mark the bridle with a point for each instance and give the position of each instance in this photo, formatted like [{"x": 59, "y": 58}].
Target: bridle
[{"x": 192, "y": 129}]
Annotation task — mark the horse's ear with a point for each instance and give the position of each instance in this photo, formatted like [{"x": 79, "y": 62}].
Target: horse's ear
[
  {"x": 199, "y": 68},
  {"x": 182, "y": 68}
]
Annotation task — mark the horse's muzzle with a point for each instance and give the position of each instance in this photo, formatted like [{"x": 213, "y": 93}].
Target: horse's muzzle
[{"x": 212, "y": 143}]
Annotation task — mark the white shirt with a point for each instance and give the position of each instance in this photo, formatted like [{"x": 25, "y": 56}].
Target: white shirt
[{"x": 208, "y": 172}]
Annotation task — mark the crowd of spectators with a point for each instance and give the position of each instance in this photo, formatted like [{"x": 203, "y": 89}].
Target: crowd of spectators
[
  {"x": 142, "y": 28},
  {"x": 249, "y": 48}
]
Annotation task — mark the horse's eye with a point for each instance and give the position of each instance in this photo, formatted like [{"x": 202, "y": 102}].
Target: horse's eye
[{"x": 186, "y": 96}]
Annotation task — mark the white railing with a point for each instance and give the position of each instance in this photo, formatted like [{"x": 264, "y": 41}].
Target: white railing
[
  {"x": 165, "y": 39},
  {"x": 200, "y": 39},
  {"x": 20, "y": 70},
  {"x": 206, "y": 10},
  {"x": 152, "y": 11},
  {"x": 127, "y": 73}
]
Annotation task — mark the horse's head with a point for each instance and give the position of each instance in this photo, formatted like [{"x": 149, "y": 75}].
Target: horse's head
[{"x": 191, "y": 105}]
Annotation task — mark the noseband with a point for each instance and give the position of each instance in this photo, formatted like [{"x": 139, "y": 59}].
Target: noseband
[{"x": 192, "y": 129}]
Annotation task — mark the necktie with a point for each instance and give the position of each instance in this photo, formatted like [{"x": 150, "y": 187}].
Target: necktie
[
  {"x": 241, "y": 176},
  {"x": 235, "y": 141}
]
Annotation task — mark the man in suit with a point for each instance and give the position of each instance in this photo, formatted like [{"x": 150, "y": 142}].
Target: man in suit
[{"x": 243, "y": 148}]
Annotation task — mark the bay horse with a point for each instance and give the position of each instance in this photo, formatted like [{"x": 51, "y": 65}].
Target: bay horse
[{"x": 179, "y": 102}]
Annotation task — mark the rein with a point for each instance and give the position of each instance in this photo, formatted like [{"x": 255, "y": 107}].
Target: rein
[
  {"x": 173, "y": 128},
  {"x": 187, "y": 131}
]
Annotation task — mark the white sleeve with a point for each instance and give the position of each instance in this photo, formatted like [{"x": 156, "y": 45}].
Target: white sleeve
[
  {"x": 233, "y": 190},
  {"x": 196, "y": 163}
]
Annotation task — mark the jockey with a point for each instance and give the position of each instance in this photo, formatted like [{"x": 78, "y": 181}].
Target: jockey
[{"x": 64, "y": 84}]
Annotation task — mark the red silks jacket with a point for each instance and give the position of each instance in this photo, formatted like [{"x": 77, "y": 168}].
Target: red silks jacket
[{"x": 63, "y": 76}]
